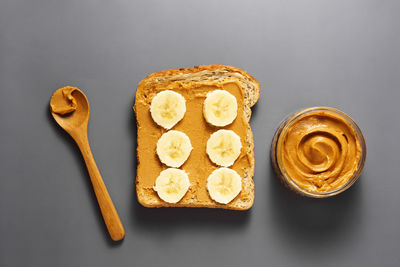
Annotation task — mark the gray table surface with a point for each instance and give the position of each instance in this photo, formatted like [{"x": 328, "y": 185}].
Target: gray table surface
[{"x": 343, "y": 54}]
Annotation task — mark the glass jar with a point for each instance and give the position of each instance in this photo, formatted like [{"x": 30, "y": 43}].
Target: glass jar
[{"x": 318, "y": 152}]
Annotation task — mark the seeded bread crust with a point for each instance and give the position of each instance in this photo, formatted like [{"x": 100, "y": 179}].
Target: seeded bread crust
[{"x": 206, "y": 74}]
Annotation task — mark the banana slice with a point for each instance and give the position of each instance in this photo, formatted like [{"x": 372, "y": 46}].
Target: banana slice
[
  {"x": 172, "y": 185},
  {"x": 224, "y": 185},
  {"x": 220, "y": 108},
  {"x": 167, "y": 108},
  {"x": 173, "y": 148},
  {"x": 223, "y": 147}
]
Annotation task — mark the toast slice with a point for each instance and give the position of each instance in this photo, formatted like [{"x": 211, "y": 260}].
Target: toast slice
[{"x": 194, "y": 83}]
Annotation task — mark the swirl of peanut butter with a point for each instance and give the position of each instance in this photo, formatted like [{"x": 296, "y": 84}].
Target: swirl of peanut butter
[{"x": 320, "y": 151}]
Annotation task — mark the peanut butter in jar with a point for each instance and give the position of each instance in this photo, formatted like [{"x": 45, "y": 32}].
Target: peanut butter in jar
[{"x": 318, "y": 152}]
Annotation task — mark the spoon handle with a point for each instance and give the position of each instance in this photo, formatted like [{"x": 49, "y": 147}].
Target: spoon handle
[{"x": 110, "y": 215}]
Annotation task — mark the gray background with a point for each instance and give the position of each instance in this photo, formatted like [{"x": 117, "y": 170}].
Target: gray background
[{"x": 342, "y": 53}]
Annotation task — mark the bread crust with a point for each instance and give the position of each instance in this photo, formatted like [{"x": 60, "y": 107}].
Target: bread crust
[{"x": 211, "y": 73}]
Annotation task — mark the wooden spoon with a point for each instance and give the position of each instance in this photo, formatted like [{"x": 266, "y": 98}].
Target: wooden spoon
[{"x": 70, "y": 108}]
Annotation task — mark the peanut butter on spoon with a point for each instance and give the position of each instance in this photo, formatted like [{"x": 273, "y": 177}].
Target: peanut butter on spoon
[{"x": 62, "y": 101}]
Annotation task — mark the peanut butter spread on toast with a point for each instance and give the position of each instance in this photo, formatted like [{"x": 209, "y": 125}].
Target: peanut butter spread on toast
[{"x": 198, "y": 166}]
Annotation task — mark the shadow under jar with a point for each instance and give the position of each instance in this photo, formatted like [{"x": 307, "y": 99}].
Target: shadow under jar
[{"x": 318, "y": 152}]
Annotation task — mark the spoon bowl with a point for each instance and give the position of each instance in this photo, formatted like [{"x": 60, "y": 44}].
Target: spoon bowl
[{"x": 76, "y": 119}]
